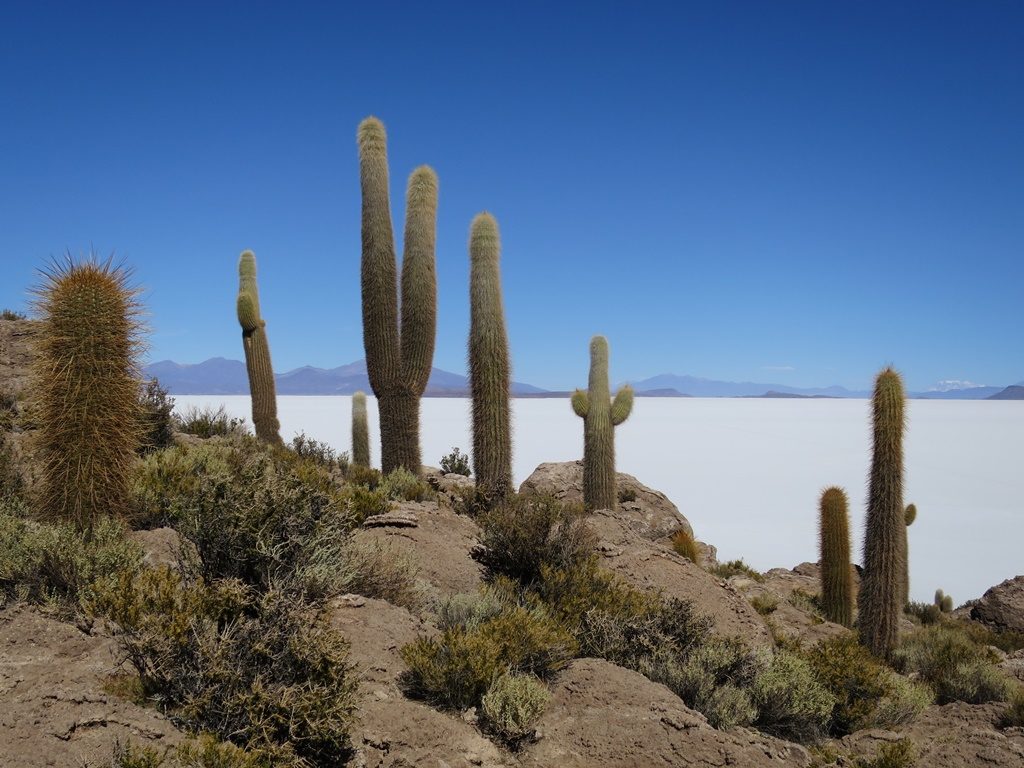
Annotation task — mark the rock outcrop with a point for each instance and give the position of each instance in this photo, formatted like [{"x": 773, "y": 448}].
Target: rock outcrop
[{"x": 1002, "y": 606}]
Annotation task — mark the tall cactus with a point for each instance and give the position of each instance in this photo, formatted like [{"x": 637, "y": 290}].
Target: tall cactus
[
  {"x": 909, "y": 516},
  {"x": 257, "y": 353},
  {"x": 398, "y": 359},
  {"x": 881, "y": 589},
  {"x": 489, "y": 368},
  {"x": 836, "y": 572},
  {"x": 86, "y": 390},
  {"x": 360, "y": 431},
  {"x": 600, "y": 416}
]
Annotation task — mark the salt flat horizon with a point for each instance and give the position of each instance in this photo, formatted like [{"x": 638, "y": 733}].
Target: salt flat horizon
[{"x": 747, "y": 473}]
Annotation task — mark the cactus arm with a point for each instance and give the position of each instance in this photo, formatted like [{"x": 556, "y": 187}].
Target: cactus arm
[
  {"x": 248, "y": 313},
  {"x": 910, "y": 514},
  {"x": 622, "y": 406},
  {"x": 580, "y": 403},
  {"x": 419, "y": 280}
]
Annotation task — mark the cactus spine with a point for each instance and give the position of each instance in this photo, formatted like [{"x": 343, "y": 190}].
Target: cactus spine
[
  {"x": 257, "y": 353},
  {"x": 86, "y": 390},
  {"x": 909, "y": 516},
  {"x": 881, "y": 589},
  {"x": 489, "y": 367},
  {"x": 398, "y": 359},
  {"x": 836, "y": 573},
  {"x": 360, "y": 431},
  {"x": 600, "y": 416}
]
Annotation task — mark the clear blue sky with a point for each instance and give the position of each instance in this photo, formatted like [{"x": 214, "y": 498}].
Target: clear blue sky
[{"x": 793, "y": 192}]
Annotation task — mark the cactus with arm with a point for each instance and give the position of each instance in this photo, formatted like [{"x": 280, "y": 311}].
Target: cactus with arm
[{"x": 257, "y": 353}]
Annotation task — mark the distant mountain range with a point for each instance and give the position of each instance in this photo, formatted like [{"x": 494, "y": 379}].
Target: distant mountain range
[{"x": 220, "y": 376}]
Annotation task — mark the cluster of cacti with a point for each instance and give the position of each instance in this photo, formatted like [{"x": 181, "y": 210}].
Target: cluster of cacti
[
  {"x": 880, "y": 603},
  {"x": 398, "y": 359},
  {"x": 836, "y": 571},
  {"x": 600, "y": 416},
  {"x": 262, "y": 390},
  {"x": 943, "y": 601},
  {"x": 360, "y": 431},
  {"x": 489, "y": 368},
  {"x": 86, "y": 390},
  {"x": 909, "y": 516}
]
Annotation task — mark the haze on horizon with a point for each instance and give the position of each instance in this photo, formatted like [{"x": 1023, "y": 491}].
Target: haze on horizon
[{"x": 798, "y": 194}]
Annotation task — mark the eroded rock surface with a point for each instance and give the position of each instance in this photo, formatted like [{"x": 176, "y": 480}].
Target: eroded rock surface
[{"x": 1002, "y": 606}]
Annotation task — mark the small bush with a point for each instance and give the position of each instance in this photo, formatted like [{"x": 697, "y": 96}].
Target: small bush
[
  {"x": 684, "y": 544},
  {"x": 715, "y": 679},
  {"x": 56, "y": 563},
  {"x": 10, "y": 314},
  {"x": 356, "y": 474},
  {"x": 167, "y": 481},
  {"x": 736, "y": 568},
  {"x": 807, "y": 602},
  {"x": 1006, "y": 640},
  {"x": 403, "y": 485},
  {"x": 626, "y": 495},
  {"x": 456, "y": 668},
  {"x": 335, "y": 564},
  {"x": 791, "y": 703},
  {"x": 513, "y": 705},
  {"x": 954, "y": 666},
  {"x": 924, "y": 613},
  {"x": 319, "y": 453},
  {"x": 12, "y": 484},
  {"x": 265, "y": 671},
  {"x": 527, "y": 533},
  {"x": 157, "y": 409},
  {"x": 765, "y": 604},
  {"x": 209, "y": 422},
  {"x": 361, "y": 502},
  {"x": 898, "y": 754},
  {"x": 469, "y": 610},
  {"x": 456, "y": 462},
  {"x": 1013, "y": 715}
]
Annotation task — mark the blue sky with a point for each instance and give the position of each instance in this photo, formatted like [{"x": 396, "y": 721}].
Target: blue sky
[{"x": 793, "y": 192}]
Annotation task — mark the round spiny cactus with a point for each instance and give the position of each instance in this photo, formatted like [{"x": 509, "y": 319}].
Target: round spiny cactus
[
  {"x": 880, "y": 601},
  {"x": 86, "y": 389},
  {"x": 836, "y": 572}
]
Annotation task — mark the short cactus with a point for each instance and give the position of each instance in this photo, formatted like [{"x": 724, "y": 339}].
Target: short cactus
[
  {"x": 836, "y": 572},
  {"x": 86, "y": 390},
  {"x": 262, "y": 389},
  {"x": 360, "y": 431},
  {"x": 600, "y": 416},
  {"x": 943, "y": 601},
  {"x": 489, "y": 367},
  {"x": 398, "y": 359},
  {"x": 909, "y": 516},
  {"x": 880, "y": 601}
]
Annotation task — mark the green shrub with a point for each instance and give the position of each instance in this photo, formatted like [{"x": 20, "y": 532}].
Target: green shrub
[
  {"x": 765, "y": 603},
  {"x": 457, "y": 463},
  {"x": 791, "y": 703},
  {"x": 334, "y": 564},
  {"x": 470, "y": 610},
  {"x": 527, "y": 533},
  {"x": 319, "y": 453},
  {"x": 202, "y": 752},
  {"x": 513, "y": 705},
  {"x": 265, "y": 671},
  {"x": 1006, "y": 640},
  {"x": 157, "y": 409},
  {"x": 12, "y": 485},
  {"x": 356, "y": 474},
  {"x": 361, "y": 503},
  {"x": 166, "y": 481},
  {"x": 957, "y": 669},
  {"x": 897, "y": 754},
  {"x": 209, "y": 422},
  {"x": 456, "y": 668},
  {"x": 684, "y": 544},
  {"x": 736, "y": 568},
  {"x": 1013, "y": 715},
  {"x": 402, "y": 485},
  {"x": 867, "y": 693},
  {"x": 924, "y": 613},
  {"x": 42, "y": 562},
  {"x": 10, "y": 314}
]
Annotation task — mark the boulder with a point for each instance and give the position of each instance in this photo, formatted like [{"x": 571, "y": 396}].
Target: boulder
[
  {"x": 649, "y": 565},
  {"x": 54, "y": 709},
  {"x": 394, "y": 731},
  {"x": 649, "y": 511},
  {"x": 602, "y": 715},
  {"x": 1002, "y": 606}
]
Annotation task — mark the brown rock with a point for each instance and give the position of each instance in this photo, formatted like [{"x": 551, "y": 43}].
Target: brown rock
[
  {"x": 650, "y": 512},
  {"x": 440, "y": 545},
  {"x": 649, "y": 565},
  {"x": 53, "y": 709},
  {"x": 603, "y": 715},
  {"x": 1002, "y": 606},
  {"x": 393, "y": 730}
]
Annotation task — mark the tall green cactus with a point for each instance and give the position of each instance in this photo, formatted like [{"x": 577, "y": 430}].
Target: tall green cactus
[
  {"x": 86, "y": 390},
  {"x": 489, "y": 368},
  {"x": 257, "y": 353},
  {"x": 909, "y": 516},
  {"x": 600, "y": 416},
  {"x": 398, "y": 359},
  {"x": 360, "y": 431},
  {"x": 881, "y": 590},
  {"x": 836, "y": 572}
]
